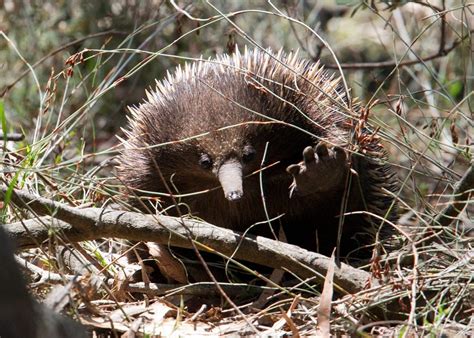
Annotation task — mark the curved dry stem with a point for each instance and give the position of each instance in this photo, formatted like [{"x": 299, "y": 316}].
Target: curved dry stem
[{"x": 459, "y": 200}]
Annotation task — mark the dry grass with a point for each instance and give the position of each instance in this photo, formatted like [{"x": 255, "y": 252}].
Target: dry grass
[{"x": 414, "y": 71}]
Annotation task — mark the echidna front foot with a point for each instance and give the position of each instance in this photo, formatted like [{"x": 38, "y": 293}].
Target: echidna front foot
[{"x": 322, "y": 169}]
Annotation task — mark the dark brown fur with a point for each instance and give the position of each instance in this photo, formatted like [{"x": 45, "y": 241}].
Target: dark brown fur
[{"x": 266, "y": 101}]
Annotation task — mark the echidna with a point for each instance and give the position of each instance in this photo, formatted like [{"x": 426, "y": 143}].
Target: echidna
[{"x": 258, "y": 138}]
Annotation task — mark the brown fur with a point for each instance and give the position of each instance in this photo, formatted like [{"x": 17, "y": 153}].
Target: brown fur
[{"x": 266, "y": 101}]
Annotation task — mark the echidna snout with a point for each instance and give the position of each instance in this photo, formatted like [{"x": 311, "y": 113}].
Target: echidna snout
[{"x": 230, "y": 178}]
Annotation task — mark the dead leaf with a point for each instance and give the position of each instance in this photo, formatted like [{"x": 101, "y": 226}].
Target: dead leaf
[{"x": 324, "y": 310}]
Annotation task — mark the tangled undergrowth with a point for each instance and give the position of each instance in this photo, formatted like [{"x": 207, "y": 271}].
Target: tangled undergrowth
[{"x": 412, "y": 70}]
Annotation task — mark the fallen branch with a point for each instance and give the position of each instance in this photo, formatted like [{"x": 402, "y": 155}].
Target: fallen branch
[{"x": 93, "y": 223}]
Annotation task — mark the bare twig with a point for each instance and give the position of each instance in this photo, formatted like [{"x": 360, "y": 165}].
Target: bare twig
[
  {"x": 442, "y": 39},
  {"x": 459, "y": 200},
  {"x": 45, "y": 276},
  {"x": 11, "y": 137}
]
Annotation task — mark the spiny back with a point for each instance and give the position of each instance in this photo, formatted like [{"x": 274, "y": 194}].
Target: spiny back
[{"x": 252, "y": 86}]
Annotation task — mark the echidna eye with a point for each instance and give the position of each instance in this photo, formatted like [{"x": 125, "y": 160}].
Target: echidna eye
[
  {"x": 248, "y": 153},
  {"x": 205, "y": 161}
]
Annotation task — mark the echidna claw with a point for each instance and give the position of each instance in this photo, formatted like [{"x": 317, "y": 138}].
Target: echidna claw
[
  {"x": 293, "y": 169},
  {"x": 322, "y": 150},
  {"x": 308, "y": 155}
]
